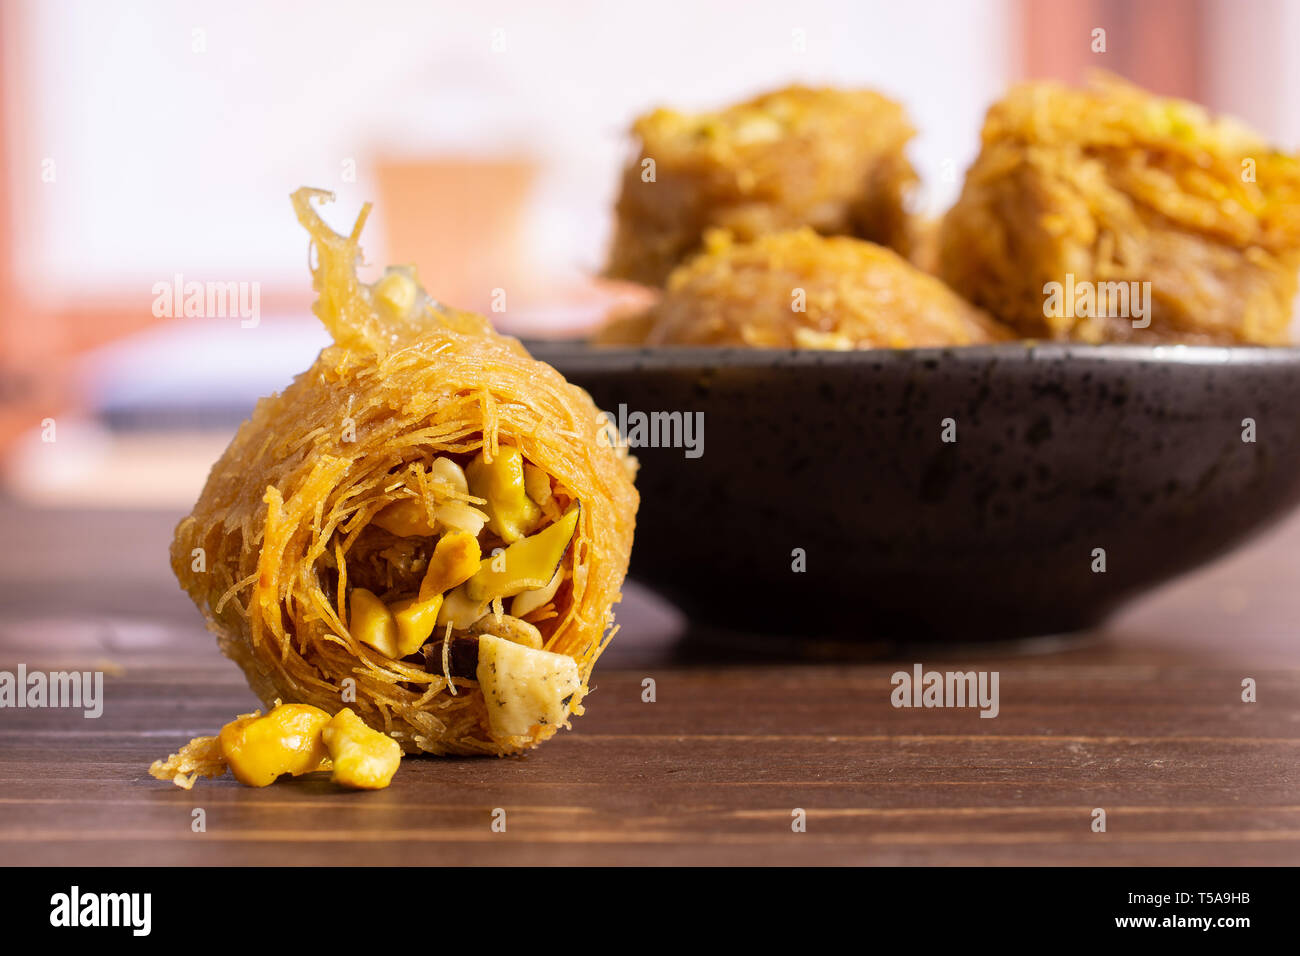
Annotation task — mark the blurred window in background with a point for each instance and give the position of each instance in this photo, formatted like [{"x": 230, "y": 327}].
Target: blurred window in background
[{"x": 145, "y": 141}]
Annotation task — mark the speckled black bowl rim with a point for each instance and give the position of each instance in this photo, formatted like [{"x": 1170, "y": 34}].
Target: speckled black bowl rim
[
  {"x": 700, "y": 376},
  {"x": 581, "y": 356}
]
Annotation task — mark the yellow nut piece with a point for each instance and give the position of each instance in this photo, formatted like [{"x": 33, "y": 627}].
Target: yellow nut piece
[
  {"x": 455, "y": 559},
  {"x": 395, "y": 293},
  {"x": 415, "y": 621},
  {"x": 511, "y": 513},
  {"x": 363, "y": 757},
  {"x": 526, "y": 564},
  {"x": 405, "y": 518},
  {"x": 371, "y": 622},
  {"x": 537, "y": 483},
  {"x": 287, "y": 740}
]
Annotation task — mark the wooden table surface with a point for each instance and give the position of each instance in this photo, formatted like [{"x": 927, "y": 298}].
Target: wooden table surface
[{"x": 1143, "y": 719}]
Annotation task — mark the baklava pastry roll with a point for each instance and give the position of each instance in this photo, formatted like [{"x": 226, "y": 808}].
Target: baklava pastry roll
[
  {"x": 427, "y": 527},
  {"x": 802, "y": 290},
  {"x": 1107, "y": 214},
  {"x": 829, "y": 159}
]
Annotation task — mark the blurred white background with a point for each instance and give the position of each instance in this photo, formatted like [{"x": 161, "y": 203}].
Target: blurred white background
[
  {"x": 143, "y": 139},
  {"x": 178, "y": 130}
]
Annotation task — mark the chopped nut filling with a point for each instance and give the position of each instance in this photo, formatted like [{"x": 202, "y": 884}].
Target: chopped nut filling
[{"x": 448, "y": 542}]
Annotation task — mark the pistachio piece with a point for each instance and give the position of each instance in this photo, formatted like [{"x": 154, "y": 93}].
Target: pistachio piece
[
  {"x": 415, "y": 621},
  {"x": 526, "y": 564},
  {"x": 537, "y": 483},
  {"x": 500, "y": 482},
  {"x": 455, "y": 560},
  {"x": 371, "y": 622}
]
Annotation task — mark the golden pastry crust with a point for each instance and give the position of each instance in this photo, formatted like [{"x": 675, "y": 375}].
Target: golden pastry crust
[
  {"x": 802, "y": 290},
  {"x": 288, "y": 509},
  {"x": 1109, "y": 184},
  {"x": 830, "y": 159}
]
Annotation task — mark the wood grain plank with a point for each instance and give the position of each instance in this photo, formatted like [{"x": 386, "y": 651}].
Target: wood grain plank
[{"x": 1153, "y": 732}]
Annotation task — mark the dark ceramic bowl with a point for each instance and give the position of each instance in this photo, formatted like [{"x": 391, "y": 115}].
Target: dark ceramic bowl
[{"x": 1060, "y": 450}]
